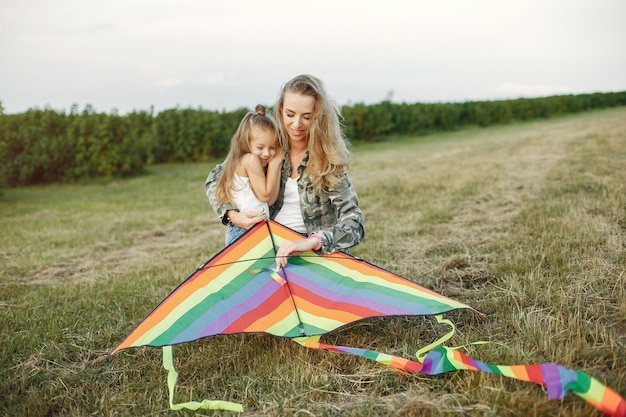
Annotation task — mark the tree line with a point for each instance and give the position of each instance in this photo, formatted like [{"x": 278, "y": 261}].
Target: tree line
[{"x": 45, "y": 146}]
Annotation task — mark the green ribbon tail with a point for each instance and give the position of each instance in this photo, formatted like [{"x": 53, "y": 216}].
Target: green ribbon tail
[
  {"x": 421, "y": 354},
  {"x": 172, "y": 377}
]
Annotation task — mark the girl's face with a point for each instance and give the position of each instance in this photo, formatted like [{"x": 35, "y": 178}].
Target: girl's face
[
  {"x": 263, "y": 144},
  {"x": 296, "y": 115}
]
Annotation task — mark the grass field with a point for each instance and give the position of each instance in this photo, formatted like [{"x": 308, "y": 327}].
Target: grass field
[{"x": 526, "y": 222}]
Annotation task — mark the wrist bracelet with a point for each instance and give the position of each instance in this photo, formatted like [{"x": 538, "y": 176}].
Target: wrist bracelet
[
  {"x": 227, "y": 217},
  {"x": 319, "y": 240}
]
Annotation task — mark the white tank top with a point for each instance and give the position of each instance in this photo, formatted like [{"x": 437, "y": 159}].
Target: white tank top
[
  {"x": 244, "y": 197},
  {"x": 290, "y": 214}
]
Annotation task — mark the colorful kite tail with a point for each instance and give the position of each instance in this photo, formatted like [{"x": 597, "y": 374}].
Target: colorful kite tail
[{"x": 556, "y": 379}]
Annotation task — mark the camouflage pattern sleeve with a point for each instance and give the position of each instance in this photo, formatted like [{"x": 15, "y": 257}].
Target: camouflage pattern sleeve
[
  {"x": 209, "y": 188},
  {"x": 335, "y": 216}
]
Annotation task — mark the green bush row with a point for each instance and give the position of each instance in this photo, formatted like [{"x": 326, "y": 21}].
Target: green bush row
[
  {"x": 368, "y": 122},
  {"x": 45, "y": 146}
]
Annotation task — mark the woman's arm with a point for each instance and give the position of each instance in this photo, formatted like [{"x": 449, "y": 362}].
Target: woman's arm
[
  {"x": 293, "y": 248},
  {"x": 209, "y": 188},
  {"x": 338, "y": 221},
  {"x": 348, "y": 230}
]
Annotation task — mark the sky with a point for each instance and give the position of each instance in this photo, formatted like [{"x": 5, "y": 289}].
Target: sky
[{"x": 135, "y": 55}]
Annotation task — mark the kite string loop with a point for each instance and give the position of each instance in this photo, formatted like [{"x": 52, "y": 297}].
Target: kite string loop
[
  {"x": 172, "y": 377},
  {"x": 421, "y": 354}
]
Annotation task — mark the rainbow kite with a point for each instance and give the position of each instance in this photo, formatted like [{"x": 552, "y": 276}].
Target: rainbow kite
[{"x": 239, "y": 291}]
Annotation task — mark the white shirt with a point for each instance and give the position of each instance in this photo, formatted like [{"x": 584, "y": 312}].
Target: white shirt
[
  {"x": 290, "y": 214},
  {"x": 244, "y": 197}
]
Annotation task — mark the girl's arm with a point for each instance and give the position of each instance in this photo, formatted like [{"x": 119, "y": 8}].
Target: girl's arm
[
  {"x": 226, "y": 211},
  {"x": 274, "y": 171},
  {"x": 265, "y": 186}
]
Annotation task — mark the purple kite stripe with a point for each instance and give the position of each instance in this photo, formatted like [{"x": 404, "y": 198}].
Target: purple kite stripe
[
  {"x": 552, "y": 380},
  {"x": 223, "y": 313},
  {"x": 433, "y": 363},
  {"x": 480, "y": 365},
  {"x": 382, "y": 303}
]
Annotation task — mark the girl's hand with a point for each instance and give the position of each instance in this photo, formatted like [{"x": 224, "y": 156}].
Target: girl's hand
[
  {"x": 293, "y": 248},
  {"x": 244, "y": 220},
  {"x": 278, "y": 158}
]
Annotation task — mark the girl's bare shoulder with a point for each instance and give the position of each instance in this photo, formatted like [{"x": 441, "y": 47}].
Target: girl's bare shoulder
[{"x": 247, "y": 162}]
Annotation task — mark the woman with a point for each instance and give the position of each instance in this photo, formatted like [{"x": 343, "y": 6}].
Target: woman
[{"x": 316, "y": 197}]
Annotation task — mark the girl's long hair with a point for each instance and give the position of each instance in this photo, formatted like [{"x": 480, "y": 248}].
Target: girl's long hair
[
  {"x": 251, "y": 123},
  {"x": 328, "y": 148}
]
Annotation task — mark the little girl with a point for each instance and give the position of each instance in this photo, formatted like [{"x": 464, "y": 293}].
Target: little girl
[{"x": 251, "y": 175}]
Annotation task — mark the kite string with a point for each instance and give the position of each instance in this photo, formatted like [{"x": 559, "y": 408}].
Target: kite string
[{"x": 172, "y": 377}]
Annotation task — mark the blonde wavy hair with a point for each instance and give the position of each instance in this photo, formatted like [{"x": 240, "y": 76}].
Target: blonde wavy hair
[
  {"x": 328, "y": 148},
  {"x": 251, "y": 123}
]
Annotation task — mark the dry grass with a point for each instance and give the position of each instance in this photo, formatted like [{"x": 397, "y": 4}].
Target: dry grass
[{"x": 527, "y": 222}]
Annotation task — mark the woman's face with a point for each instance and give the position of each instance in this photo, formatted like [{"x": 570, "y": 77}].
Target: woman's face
[{"x": 297, "y": 114}]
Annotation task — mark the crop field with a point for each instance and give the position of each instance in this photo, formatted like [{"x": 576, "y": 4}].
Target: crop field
[{"x": 526, "y": 222}]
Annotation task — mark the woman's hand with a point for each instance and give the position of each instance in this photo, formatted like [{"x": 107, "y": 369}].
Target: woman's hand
[
  {"x": 293, "y": 248},
  {"x": 245, "y": 220}
]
